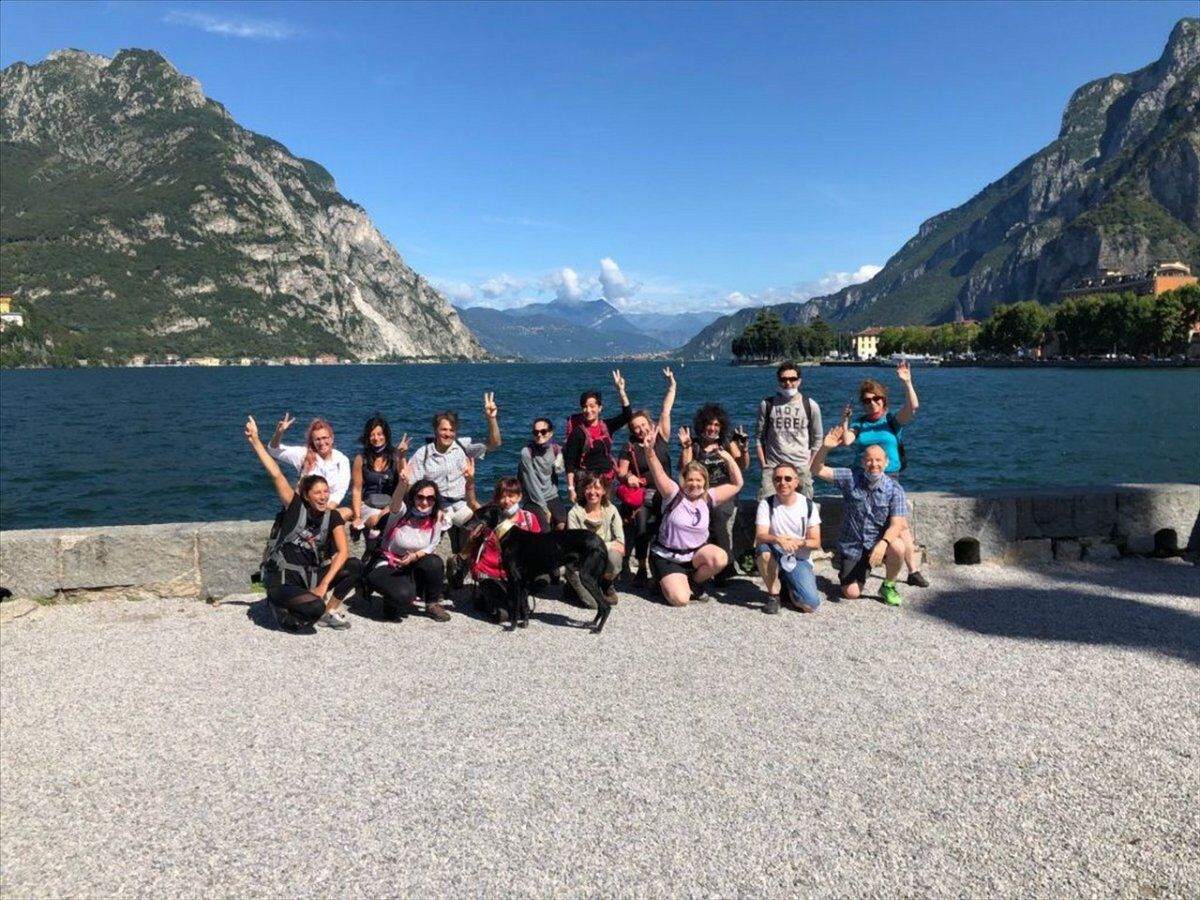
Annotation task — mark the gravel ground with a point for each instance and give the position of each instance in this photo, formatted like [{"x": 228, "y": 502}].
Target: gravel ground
[{"x": 1012, "y": 732}]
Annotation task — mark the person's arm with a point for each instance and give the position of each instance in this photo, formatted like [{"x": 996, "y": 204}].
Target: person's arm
[
  {"x": 621, "y": 420},
  {"x": 573, "y": 459},
  {"x": 403, "y": 480},
  {"x": 469, "y": 479},
  {"x": 356, "y": 483},
  {"x": 623, "y": 469},
  {"x": 340, "y": 555},
  {"x": 662, "y": 481},
  {"x": 685, "y": 441},
  {"x": 817, "y": 465},
  {"x": 618, "y": 531},
  {"x": 282, "y": 487},
  {"x": 814, "y": 426},
  {"x": 896, "y": 525},
  {"x": 339, "y": 482},
  {"x": 760, "y": 431},
  {"x": 813, "y": 539},
  {"x": 492, "y": 413},
  {"x": 728, "y": 491},
  {"x": 283, "y": 425},
  {"x": 909, "y": 409},
  {"x": 664, "y": 417}
]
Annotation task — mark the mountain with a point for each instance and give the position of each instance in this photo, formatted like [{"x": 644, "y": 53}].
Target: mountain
[
  {"x": 560, "y": 329},
  {"x": 672, "y": 328},
  {"x": 1118, "y": 189},
  {"x": 138, "y": 217}
]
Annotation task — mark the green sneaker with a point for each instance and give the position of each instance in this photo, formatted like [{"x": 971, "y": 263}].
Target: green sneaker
[{"x": 890, "y": 595}]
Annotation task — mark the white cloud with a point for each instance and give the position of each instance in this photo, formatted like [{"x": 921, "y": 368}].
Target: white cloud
[
  {"x": 565, "y": 284},
  {"x": 500, "y": 285},
  {"x": 233, "y": 26},
  {"x": 457, "y": 292},
  {"x": 615, "y": 287},
  {"x": 829, "y": 283}
]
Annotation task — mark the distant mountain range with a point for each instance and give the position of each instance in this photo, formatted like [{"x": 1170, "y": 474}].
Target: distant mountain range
[
  {"x": 1118, "y": 189},
  {"x": 588, "y": 329}
]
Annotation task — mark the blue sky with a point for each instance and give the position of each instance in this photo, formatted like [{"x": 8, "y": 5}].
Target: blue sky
[{"x": 671, "y": 156}]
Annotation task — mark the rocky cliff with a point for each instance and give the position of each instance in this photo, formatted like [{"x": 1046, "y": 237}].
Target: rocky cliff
[
  {"x": 1119, "y": 188},
  {"x": 138, "y": 217}
]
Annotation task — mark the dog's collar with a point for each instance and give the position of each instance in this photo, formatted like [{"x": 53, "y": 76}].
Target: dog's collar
[{"x": 504, "y": 528}]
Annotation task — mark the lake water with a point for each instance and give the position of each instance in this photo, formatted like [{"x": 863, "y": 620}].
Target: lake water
[{"x": 102, "y": 446}]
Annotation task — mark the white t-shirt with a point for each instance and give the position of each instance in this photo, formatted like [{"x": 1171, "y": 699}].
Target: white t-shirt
[
  {"x": 790, "y": 520},
  {"x": 335, "y": 470}
]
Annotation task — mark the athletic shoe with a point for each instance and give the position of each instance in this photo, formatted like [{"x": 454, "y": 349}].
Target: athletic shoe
[
  {"x": 916, "y": 579},
  {"x": 890, "y": 595},
  {"x": 437, "y": 612},
  {"x": 335, "y": 620},
  {"x": 771, "y": 608}
]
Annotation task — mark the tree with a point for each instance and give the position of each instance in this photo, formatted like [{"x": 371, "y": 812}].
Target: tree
[{"x": 1019, "y": 326}]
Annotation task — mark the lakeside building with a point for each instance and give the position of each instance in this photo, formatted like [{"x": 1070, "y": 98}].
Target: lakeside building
[
  {"x": 1167, "y": 276},
  {"x": 5, "y": 303},
  {"x": 866, "y": 343},
  {"x": 11, "y": 320}
]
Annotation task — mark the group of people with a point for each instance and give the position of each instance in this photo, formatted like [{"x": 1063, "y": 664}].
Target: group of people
[{"x": 674, "y": 531}]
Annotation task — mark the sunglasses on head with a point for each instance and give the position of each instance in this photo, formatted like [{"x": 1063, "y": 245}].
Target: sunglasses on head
[{"x": 543, "y": 430}]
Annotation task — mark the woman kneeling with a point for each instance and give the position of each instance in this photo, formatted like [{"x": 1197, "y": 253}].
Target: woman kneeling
[
  {"x": 295, "y": 572},
  {"x": 681, "y": 559},
  {"x": 405, "y": 564},
  {"x": 600, "y": 517}
]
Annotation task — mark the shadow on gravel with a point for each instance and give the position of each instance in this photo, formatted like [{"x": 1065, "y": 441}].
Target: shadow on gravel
[
  {"x": 259, "y": 613},
  {"x": 1074, "y": 616}
]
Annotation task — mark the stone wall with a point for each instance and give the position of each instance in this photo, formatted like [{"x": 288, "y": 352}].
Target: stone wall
[{"x": 213, "y": 559}]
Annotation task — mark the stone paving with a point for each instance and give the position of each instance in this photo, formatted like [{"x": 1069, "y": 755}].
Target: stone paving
[{"x": 1012, "y": 732}]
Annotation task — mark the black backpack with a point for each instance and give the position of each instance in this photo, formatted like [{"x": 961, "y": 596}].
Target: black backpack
[{"x": 895, "y": 427}]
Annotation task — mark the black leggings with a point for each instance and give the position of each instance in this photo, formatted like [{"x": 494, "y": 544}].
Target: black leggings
[
  {"x": 640, "y": 527},
  {"x": 400, "y": 587},
  {"x": 718, "y": 525},
  {"x": 300, "y": 600}
]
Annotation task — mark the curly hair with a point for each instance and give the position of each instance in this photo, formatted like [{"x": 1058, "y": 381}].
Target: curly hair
[{"x": 706, "y": 414}]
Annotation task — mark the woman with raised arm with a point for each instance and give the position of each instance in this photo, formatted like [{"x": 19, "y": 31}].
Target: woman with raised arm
[
  {"x": 308, "y": 557},
  {"x": 316, "y": 457},
  {"x": 878, "y": 427},
  {"x": 640, "y": 503},
  {"x": 590, "y": 436},
  {"x": 404, "y": 565},
  {"x": 710, "y": 434},
  {"x": 375, "y": 473},
  {"x": 681, "y": 557}
]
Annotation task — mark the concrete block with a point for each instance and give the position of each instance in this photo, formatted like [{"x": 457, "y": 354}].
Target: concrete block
[
  {"x": 1101, "y": 551},
  {"x": 127, "y": 555},
  {"x": 1037, "y": 550},
  {"x": 29, "y": 562},
  {"x": 1144, "y": 509},
  {"x": 1065, "y": 512},
  {"x": 1068, "y": 551},
  {"x": 939, "y": 520},
  {"x": 229, "y": 552}
]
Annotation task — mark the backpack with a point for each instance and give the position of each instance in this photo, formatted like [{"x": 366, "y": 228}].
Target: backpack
[
  {"x": 773, "y": 501},
  {"x": 274, "y": 566},
  {"x": 765, "y": 407},
  {"x": 675, "y": 500},
  {"x": 575, "y": 420},
  {"x": 895, "y": 427}
]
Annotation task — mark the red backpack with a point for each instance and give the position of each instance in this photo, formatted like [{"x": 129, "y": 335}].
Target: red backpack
[{"x": 598, "y": 432}]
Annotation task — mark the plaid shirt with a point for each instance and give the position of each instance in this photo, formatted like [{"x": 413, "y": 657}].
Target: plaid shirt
[{"x": 866, "y": 510}]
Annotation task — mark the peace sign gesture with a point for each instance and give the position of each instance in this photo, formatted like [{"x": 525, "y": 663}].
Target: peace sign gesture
[
  {"x": 285, "y": 423},
  {"x": 618, "y": 381},
  {"x": 251, "y": 429},
  {"x": 489, "y": 404},
  {"x": 670, "y": 376},
  {"x": 402, "y": 448}
]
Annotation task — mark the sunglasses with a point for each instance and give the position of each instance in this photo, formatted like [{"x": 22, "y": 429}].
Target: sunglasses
[
  {"x": 540, "y": 431},
  {"x": 789, "y": 380},
  {"x": 425, "y": 498},
  {"x": 872, "y": 399},
  {"x": 784, "y": 478}
]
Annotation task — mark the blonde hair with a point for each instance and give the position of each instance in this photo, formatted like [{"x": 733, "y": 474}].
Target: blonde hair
[{"x": 694, "y": 466}]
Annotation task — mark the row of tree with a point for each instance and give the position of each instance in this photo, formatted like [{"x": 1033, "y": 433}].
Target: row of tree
[{"x": 1098, "y": 324}]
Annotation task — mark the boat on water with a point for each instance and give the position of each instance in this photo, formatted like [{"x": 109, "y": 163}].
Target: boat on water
[{"x": 913, "y": 359}]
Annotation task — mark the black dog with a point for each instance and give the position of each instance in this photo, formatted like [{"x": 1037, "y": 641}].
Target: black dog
[{"x": 527, "y": 555}]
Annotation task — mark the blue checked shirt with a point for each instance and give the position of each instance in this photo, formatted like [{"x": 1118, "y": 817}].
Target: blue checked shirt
[{"x": 866, "y": 510}]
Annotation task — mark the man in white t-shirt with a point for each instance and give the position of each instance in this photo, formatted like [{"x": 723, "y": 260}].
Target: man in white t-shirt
[{"x": 787, "y": 530}]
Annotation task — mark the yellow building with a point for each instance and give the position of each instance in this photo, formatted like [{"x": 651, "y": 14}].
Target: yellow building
[
  {"x": 866, "y": 343},
  {"x": 5, "y": 303}
]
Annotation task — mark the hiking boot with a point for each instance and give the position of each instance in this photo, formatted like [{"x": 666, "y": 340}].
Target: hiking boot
[
  {"x": 890, "y": 595},
  {"x": 437, "y": 612},
  {"x": 771, "y": 607},
  {"x": 700, "y": 593},
  {"x": 916, "y": 579},
  {"x": 500, "y": 616},
  {"x": 335, "y": 620}
]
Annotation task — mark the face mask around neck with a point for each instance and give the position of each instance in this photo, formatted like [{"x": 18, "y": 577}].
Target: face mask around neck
[{"x": 789, "y": 391}]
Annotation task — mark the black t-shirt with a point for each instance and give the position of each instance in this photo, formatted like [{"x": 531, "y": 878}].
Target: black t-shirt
[
  {"x": 598, "y": 458},
  {"x": 718, "y": 469},
  {"x": 636, "y": 454}
]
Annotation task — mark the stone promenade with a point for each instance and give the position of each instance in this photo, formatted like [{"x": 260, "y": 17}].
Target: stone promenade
[{"x": 1013, "y": 732}]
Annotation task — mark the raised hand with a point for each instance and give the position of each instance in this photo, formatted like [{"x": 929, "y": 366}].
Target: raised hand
[
  {"x": 618, "y": 381},
  {"x": 406, "y": 472},
  {"x": 903, "y": 373},
  {"x": 489, "y": 405},
  {"x": 739, "y": 435},
  {"x": 251, "y": 429},
  {"x": 685, "y": 435},
  {"x": 468, "y": 469},
  {"x": 834, "y": 438},
  {"x": 285, "y": 423},
  {"x": 650, "y": 438},
  {"x": 402, "y": 447},
  {"x": 847, "y": 413},
  {"x": 670, "y": 376}
]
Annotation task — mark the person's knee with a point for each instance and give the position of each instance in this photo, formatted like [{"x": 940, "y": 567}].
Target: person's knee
[
  {"x": 896, "y": 550},
  {"x": 851, "y": 591}
]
